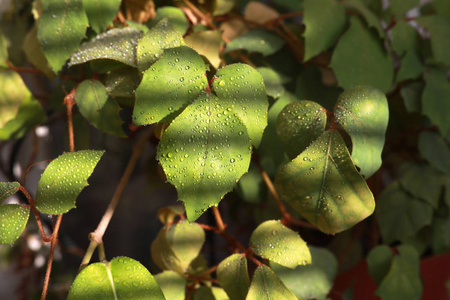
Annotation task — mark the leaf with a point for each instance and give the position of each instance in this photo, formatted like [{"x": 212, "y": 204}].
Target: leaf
[
  {"x": 313, "y": 281},
  {"x": 324, "y": 20},
  {"x": 167, "y": 214},
  {"x": 257, "y": 40},
  {"x": 323, "y": 185},
  {"x": 118, "y": 44},
  {"x": 101, "y": 111},
  {"x": 267, "y": 285},
  {"x": 7, "y": 189},
  {"x": 274, "y": 241},
  {"x": 219, "y": 293},
  {"x": 299, "y": 124},
  {"x": 13, "y": 219},
  {"x": 412, "y": 96},
  {"x": 204, "y": 152},
  {"x": 379, "y": 262},
  {"x": 241, "y": 88},
  {"x": 442, "y": 8},
  {"x": 151, "y": 46},
  {"x": 400, "y": 215},
  {"x": 250, "y": 186},
  {"x": 122, "y": 82},
  {"x": 433, "y": 148},
  {"x": 364, "y": 114},
  {"x": 34, "y": 53},
  {"x": 411, "y": 67},
  {"x": 404, "y": 37},
  {"x": 204, "y": 293},
  {"x": 259, "y": 13},
  {"x": 3, "y": 51},
  {"x": 359, "y": 59},
  {"x": 369, "y": 16},
  {"x": 175, "y": 16},
  {"x": 440, "y": 40},
  {"x": 436, "y": 99},
  {"x": 163, "y": 255},
  {"x": 166, "y": 90},
  {"x": 273, "y": 81},
  {"x": 101, "y": 13},
  {"x": 13, "y": 91},
  {"x": 63, "y": 180},
  {"x": 232, "y": 274},
  {"x": 61, "y": 28},
  {"x": 400, "y": 7},
  {"x": 172, "y": 285},
  {"x": 206, "y": 43},
  {"x": 222, "y": 7},
  {"x": 122, "y": 278},
  {"x": 440, "y": 234}
]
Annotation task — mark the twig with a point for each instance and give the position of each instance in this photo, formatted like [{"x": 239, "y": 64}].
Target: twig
[{"x": 218, "y": 218}]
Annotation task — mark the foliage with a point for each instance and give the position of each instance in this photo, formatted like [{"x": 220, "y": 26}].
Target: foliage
[{"x": 337, "y": 108}]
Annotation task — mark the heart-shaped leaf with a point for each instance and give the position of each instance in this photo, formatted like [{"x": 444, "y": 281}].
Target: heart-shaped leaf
[
  {"x": 13, "y": 218},
  {"x": 258, "y": 40},
  {"x": 267, "y": 285},
  {"x": 206, "y": 43},
  {"x": 173, "y": 285},
  {"x": 232, "y": 275},
  {"x": 8, "y": 189},
  {"x": 163, "y": 255},
  {"x": 323, "y": 185},
  {"x": 101, "y": 12}
]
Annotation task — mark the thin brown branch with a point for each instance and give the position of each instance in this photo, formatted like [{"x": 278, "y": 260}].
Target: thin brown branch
[
  {"x": 218, "y": 218},
  {"x": 36, "y": 215},
  {"x": 69, "y": 101},
  {"x": 22, "y": 70}
]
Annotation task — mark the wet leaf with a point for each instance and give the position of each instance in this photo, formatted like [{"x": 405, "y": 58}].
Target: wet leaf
[
  {"x": 101, "y": 13},
  {"x": 12, "y": 92},
  {"x": 121, "y": 278},
  {"x": 267, "y": 285},
  {"x": 323, "y": 185},
  {"x": 369, "y": 16},
  {"x": 61, "y": 28},
  {"x": 206, "y": 43},
  {"x": 175, "y": 16},
  {"x": 299, "y": 124},
  {"x": 258, "y": 40},
  {"x": 169, "y": 86},
  {"x": 273, "y": 81},
  {"x": 241, "y": 88},
  {"x": 232, "y": 274},
  {"x": 438, "y": 28},
  {"x": 118, "y": 44},
  {"x": 13, "y": 218},
  {"x": 122, "y": 82},
  {"x": 7, "y": 189},
  {"x": 172, "y": 285},
  {"x": 364, "y": 114},
  {"x": 274, "y": 241},
  {"x": 63, "y": 180},
  {"x": 433, "y": 148},
  {"x": 204, "y": 152}
]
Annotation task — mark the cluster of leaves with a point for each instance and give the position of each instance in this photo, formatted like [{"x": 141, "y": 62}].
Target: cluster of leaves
[{"x": 300, "y": 100}]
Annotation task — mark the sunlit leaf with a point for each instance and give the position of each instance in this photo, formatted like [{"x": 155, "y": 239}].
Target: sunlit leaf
[
  {"x": 258, "y": 40},
  {"x": 3, "y": 51},
  {"x": 175, "y": 16},
  {"x": 169, "y": 86},
  {"x": 63, "y": 180},
  {"x": 202, "y": 155},
  {"x": 273, "y": 81},
  {"x": 363, "y": 112},
  {"x": 369, "y": 16},
  {"x": 232, "y": 274},
  {"x": 433, "y": 148},
  {"x": 172, "y": 285},
  {"x": 12, "y": 92},
  {"x": 101, "y": 12},
  {"x": 61, "y": 28},
  {"x": 267, "y": 285},
  {"x": 8, "y": 189},
  {"x": 274, "y": 241},
  {"x": 206, "y": 43},
  {"x": 121, "y": 278},
  {"x": 241, "y": 89},
  {"x": 13, "y": 218},
  {"x": 323, "y": 185},
  {"x": 439, "y": 27}
]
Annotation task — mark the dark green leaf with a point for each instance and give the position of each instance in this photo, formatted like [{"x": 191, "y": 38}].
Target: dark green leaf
[
  {"x": 440, "y": 234},
  {"x": 117, "y": 44},
  {"x": 100, "y": 110},
  {"x": 206, "y": 43},
  {"x": 175, "y": 16},
  {"x": 13, "y": 218},
  {"x": 63, "y": 180},
  {"x": 169, "y": 86},
  {"x": 404, "y": 37},
  {"x": 274, "y": 241},
  {"x": 379, "y": 262},
  {"x": 7, "y": 189},
  {"x": 61, "y": 28},
  {"x": 412, "y": 96},
  {"x": 258, "y": 40},
  {"x": 101, "y": 13},
  {"x": 172, "y": 285},
  {"x": 250, "y": 186},
  {"x": 204, "y": 293},
  {"x": 442, "y": 8},
  {"x": 433, "y": 148},
  {"x": 266, "y": 285},
  {"x": 411, "y": 67},
  {"x": 204, "y": 152},
  {"x": 439, "y": 28},
  {"x": 400, "y": 7},
  {"x": 122, "y": 82},
  {"x": 13, "y": 91},
  {"x": 273, "y": 81},
  {"x": 360, "y": 59},
  {"x": 364, "y": 114},
  {"x": 121, "y": 278},
  {"x": 369, "y": 16},
  {"x": 323, "y": 185},
  {"x": 232, "y": 275},
  {"x": 324, "y": 21}
]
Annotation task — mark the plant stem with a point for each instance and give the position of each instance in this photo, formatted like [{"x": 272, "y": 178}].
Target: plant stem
[{"x": 218, "y": 218}]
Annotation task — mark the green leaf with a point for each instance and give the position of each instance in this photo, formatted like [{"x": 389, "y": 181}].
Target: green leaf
[
  {"x": 440, "y": 234},
  {"x": 412, "y": 96},
  {"x": 250, "y": 186},
  {"x": 439, "y": 28},
  {"x": 400, "y": 7},
  {"x": 13, "y": 91},
  {"x": 3, "y": 51},
  {"x": 364, "y": 114},
  {"x": 169, "y": 213},
  {"x": 122, "y": 82},
  {"x": 202, "y": 155},
  {"x": 404, "y": 37},
  {"x": 360, "y": 59},
  {"x": 411, "y": 67},
  {"x": 274, "y": 241},
  {"x": 241, "y": 88},
  {"x": 299, "y": 124},
  {"x": 101, "y": 13},
  {"x": 436, "y": 98},
  {"x": 257, "y": 40},
  {"x": 34, "y": 53},
  {"x": 169, "y": 86},
  {"x": 206, "y": 43},
  {"x": 222, "y": 7},
  {"x": 312, "y": 281},
  {"x": 175, "y": 16},
  {"x": 13, "y": 218},
  {"x": 267, "y": 285},
  {"x": 368, "y": 15},
  {"x": 204, "y": 293},
  {"x": 163, "y": 255},
  {"x": 273, "y": 81},
  {"x": 151, "y": 46},
  {"x": 232, "y": 274},
  {"x": 172, "y": 285},
  {"x": 324, "y": 20},
  {"x": 118, "y": 44},
  {"x": 323, "y": 185},
  {"x": 379, "y": 262},
  {"x": 122, "y": 278},
  {"x": 61, "y": 28},
  {"x": 63, "y": 180},
  {"x": 433, "y": 148},
  {"x": 219, "y": 293},
  {"x": 399, "y": 214},
  {"x": 7, "y": 189},
  {"x": 442, "y": 8}
]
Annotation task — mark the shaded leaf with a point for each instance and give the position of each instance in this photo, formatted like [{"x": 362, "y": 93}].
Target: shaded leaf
[
  {"x": 172, "y": 285},
  {"x": 61, "y": 28},
  {"x": 222, "y": 7},
  {"x": 273, "y": 81},
  {"x": 175, "y": 16},
  {"x": 442, "y": 8},
  {"x": 440, "y": 234},
  {"x": 267, "y": 285},
  {"x": 169, "y": 213},
  {"x": 3, "y": 51},
  {"x": 202, "y": 155},
  {"x": 163, "y": 255},
  {"x": 63, "y": 180},
  {"x": 13, "y": 91},
  {"x": 34, "y": 53},
  {"x": 206, "y": 43},
  {"x": 323, "y": 185},
  {"x": 204, "y": 293},
  {"x": 122, "y": 82},
  {"x": 439, "y": 28},
  {"x": 257, "y": 40},
  {"x": 166, "y": 90},
  {"x": 412, "y": 96},
  {"x": 400, "y": 7},
  {"x": 250, "y": 186},
  {"x": 411, "y": 67},
  {"x": 13, "y": 218},
  {"x": 101, "y": 13},
  {"x": 259, "y": 13},
  {"x": 433, "y": 148},
  {"x": 7, "y": 189},
  {"x": 121, "y": 278},
  {"x": 369, "y": 16},
  {"x": 232, "y": 274},
  {"x": 379, "y": 262},
  {"x": 404, "y": 37}
]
